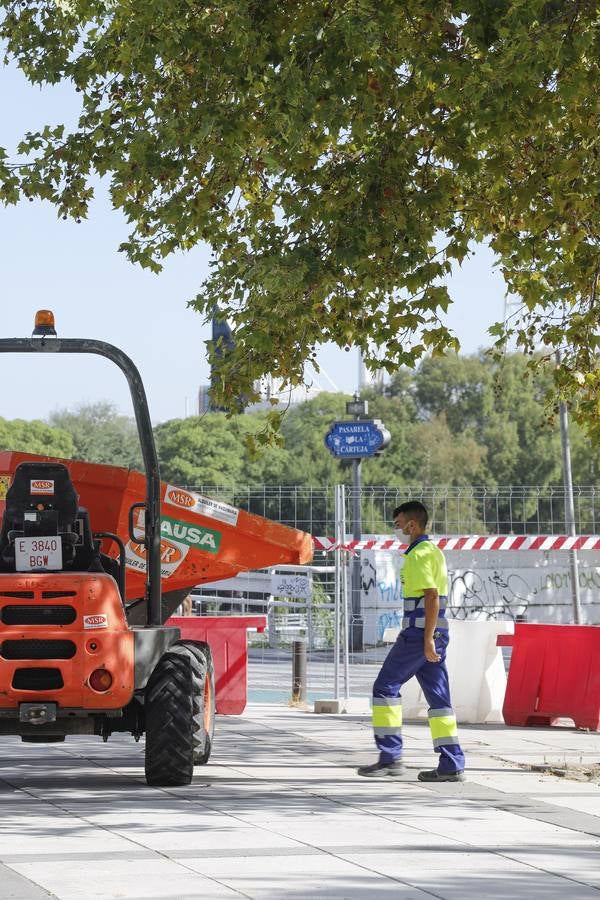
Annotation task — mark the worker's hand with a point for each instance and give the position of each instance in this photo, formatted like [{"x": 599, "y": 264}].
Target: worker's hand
[{"x": 431, "y": 654}]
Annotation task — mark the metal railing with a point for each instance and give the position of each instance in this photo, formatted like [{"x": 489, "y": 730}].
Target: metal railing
[{"x": 477, "y": 509}]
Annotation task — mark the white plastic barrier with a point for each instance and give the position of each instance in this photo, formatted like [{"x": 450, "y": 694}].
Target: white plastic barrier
[{"x": 476, "y": 670}]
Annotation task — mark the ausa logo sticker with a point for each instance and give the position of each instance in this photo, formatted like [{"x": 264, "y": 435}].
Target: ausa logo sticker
[{"x": 192, "y": 535}]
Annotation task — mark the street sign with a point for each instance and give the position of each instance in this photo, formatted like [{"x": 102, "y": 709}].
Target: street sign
[
  {"x": 357, "y": 407},
  {"x": 357, "y": 440}
]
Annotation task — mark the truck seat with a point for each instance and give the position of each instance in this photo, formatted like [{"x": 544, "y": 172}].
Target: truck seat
[{"x": 42, "y": 502}]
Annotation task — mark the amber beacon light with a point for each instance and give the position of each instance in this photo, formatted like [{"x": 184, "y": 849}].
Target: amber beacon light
[{"x": 44, "y": 323}]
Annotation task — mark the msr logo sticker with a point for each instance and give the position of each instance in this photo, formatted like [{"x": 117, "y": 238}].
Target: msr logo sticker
[
  {"x": 172, "y": 553},
  {"x": 169, "y": 553},
  {"x": 39, "y": 486},
  {"x": 179, "y": 497},
  {"x": 192, "y": 535},
  {"x": 204, "y": 506},
  {"x": 97, "y": 621}
]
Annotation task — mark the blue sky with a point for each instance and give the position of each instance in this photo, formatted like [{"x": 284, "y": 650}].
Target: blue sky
[{"x": 75, "y": 270}]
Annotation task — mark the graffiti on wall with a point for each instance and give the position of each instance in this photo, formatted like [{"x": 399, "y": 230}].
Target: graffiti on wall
[
  {"x": 483, "y": 588},
  {"x": 380, "y": 581},
  {"x": 488, "y": 595},
  {"x": 381, "y": 591},
  {"x": 589, "y": 579},
  {"x": 388, "y": 620},
  {"x": 368, "y": 574},
  {"x": 508, "y": 593}
]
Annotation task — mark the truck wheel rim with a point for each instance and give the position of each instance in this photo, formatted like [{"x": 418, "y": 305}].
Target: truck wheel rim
[{"x": 207, "y": 705}]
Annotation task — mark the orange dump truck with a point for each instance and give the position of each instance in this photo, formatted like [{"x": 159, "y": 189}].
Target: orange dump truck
[{"x": 93, "y": 561}]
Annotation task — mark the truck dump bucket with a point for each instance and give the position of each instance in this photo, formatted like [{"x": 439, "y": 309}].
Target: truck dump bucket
[{"x": 201, "y": 539}]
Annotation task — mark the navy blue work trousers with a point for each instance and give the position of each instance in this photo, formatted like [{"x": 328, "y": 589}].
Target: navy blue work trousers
[{"x": 405, "y": 660}]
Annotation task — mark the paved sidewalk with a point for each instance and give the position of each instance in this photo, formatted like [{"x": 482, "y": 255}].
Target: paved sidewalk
[{"x": 279, "y": 812}]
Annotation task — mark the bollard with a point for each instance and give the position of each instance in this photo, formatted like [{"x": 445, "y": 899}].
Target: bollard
[{"x": 299, "y": 673}]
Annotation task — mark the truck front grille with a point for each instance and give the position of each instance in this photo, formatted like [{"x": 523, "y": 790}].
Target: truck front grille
[
  {"x": 35, "y": 649},
  {"x": 38, "y": 615}
]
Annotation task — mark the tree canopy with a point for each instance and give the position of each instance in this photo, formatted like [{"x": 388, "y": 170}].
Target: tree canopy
[
  {"x": 35, "y": 437},
  {"x": 340, "y": 157},
  {"x": 456, "y": 422},
  {"x": 100, "y": 434}
]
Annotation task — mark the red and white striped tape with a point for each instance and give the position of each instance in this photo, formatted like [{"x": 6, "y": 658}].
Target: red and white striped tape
[{"x": 474, "y": 542}]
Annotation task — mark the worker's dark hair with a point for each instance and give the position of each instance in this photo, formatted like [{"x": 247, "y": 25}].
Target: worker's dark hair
[{"x": 415, "y": 509}]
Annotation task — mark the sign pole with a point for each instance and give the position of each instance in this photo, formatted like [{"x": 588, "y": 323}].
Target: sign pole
[
  {"x": 354, "y": 441},
  {"x": 356, "y": 633},
  {"x": 339, "y": 540},
  {"x": 345, "y": 596}
]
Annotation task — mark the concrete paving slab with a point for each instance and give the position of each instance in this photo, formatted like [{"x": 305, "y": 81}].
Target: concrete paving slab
[
  {"x": 326, "y": 875},
  {"x": 473, "y": 875},
  {"x": 577, "y": 861},
  {"x": 148, "y": 879},
  {"x": 280, "y": 811},
  {"x": 15, "y": 887},
  {"x": 174, "y": 839}
]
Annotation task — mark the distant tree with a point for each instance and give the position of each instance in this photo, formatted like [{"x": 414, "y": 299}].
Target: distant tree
[
  {"x": 500, "y": 405},
  {"x": 441, "y": 457},
  {"x": 36, "y": 437},
  {"x": 100, "y": 434},
  {"x": 396, "y": 408},
  {"x": 199, "y": 451},
  {"x": 458, "y": 387},
  {"x": 303, "y": 430}
]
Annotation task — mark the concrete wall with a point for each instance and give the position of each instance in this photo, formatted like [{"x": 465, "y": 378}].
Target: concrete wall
[{"x": 486, "y": 585}]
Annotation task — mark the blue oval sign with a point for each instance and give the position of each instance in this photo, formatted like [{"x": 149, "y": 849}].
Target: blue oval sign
[{"x": 352, "y": 440}]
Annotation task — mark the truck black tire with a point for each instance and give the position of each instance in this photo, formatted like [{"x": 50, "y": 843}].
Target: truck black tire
[
  {"x": 203, "y": 698},
  {"x": 169, "y": 711}
]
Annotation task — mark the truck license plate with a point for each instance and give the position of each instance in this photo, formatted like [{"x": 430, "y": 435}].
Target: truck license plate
[{"x": 38, "y": 554}]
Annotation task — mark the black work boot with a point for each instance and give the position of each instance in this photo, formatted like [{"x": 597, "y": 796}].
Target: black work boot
[
  {"x": 434, "y": 775},
  {"x": 381, "y": 769}
]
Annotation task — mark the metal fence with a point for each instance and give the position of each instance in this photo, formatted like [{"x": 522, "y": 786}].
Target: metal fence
[
  {"x": 332, "y": 664},
  {"x": 520, "y": 509},
  {"x": 270, "y": 653}
]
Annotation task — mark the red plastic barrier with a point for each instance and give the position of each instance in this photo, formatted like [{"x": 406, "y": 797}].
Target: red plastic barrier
[
  {"x": 554, "y": 673},
  {"x": 227, "y": 638}
]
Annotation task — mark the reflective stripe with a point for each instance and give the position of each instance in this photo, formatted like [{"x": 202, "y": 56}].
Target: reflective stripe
[
  {"x": 419, "y": 622},
  {"x": 443, "y": 727},
  {"x": 414, "y": 601},
  {"x": 381, "y": 731},
  {"x": 444, "y": 711},
  {"x": 385, "y": 716},
  {"x": 414, "y": 615},
  {"x": 445, "y": 741},
  {"x": 387, "y": 701}
]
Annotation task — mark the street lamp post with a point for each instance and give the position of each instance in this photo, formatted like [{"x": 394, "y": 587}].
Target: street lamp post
[
  {"x": 569, "y": 505},
  {"x": 357, "y": 408}
]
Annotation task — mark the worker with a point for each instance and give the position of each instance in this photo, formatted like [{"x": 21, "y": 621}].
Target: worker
[{"x": 420, "y": 650}]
